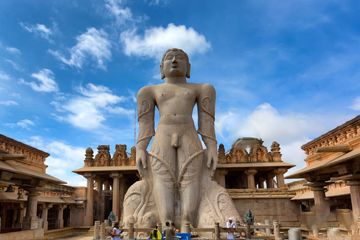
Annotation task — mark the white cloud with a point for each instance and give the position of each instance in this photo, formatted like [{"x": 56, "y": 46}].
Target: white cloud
[
  {"x": 356, "y": 104},
  {"x": 23, "y": 124},
  {"x": 64, "y": 158},
  {"x": 13, "y": 50},
  {"x": 46, "y": 79},
  {"x": 13, "y": 64},
  {"x": 4, "y": 76},
  {"x": 88, "y": 110},
  {"x": 290, "y": 130},
  {"x": 8, "y": 103},
  {"x": 93, "y": 44},
  {"x": 39, "y": 30},
  {"x": 158, "y": 39},
  {"x": 121, "y": 14}
]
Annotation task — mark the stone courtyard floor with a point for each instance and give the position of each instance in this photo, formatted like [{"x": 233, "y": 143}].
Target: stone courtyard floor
[{"x": 75, "y": 237}]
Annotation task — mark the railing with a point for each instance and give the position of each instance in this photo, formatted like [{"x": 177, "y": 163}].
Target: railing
[{"x": 216, "y": 230}]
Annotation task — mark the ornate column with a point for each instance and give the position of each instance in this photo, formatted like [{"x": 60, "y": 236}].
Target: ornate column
[
  {"x": 45, "y": 207},
  {"x": 89, "y": 215},
  {"x": 106, "y": 185},
  {"x": 280, "y": 176},
  {"x": 355, "y": 198},
  {"x": 269, "y": 180},
  {"x": 98, "y": 184},
  {"x": 19, "y": 221},
  {"x": 123, "y": 189},
  {"x": 250, "y": 177},
  {"x": 261, "y": 182},
  {"x": 221, "y": 173},
  {"x": 116, "y": 193},
  {"x": 31, "y": 220},
  {"x": 60, "y": 220},
  {"x": 322, "y": 208}
]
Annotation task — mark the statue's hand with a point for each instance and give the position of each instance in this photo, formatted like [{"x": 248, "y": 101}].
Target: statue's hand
[
  {"x": 140, "y": 160},
  {"x": 213, "y": 158}
]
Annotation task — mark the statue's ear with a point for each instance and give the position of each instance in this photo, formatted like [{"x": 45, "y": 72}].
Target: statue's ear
[
  {"x": 188, "y": 71},
  {"x": 162, "y": 72}
]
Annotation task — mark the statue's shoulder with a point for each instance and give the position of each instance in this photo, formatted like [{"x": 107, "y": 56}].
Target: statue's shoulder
[
  {"x": 205, "y": 87},
  {"x": 147, "y": 90}
]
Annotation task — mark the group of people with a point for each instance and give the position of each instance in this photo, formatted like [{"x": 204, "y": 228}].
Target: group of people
[{"x": 169, "y": 232}]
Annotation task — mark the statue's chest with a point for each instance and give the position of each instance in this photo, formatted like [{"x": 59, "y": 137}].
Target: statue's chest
[{"x": 176, "y": 95}]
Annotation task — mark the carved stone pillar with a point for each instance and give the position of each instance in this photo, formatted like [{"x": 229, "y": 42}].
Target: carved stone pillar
[
  {"x": 355, "y": 198},
  {"x": 322, "y": 208},
  {"x": 60, "y": 220},
  {"x": 221, "y": 177},
  {"x": 116, "y": 193},
  {"x": 250, "y": 177},
  {"x": 89, "y": 214},
  {"x": 106, "y": 186},
  {"x": 123, "y": 188},
  {"x": 270, "y": 180},
  {"x": 98, "y": 184},
  {"x": 19, "y": 221},
  {"x": 31, "y": 220},
  {"x": 261, "y": 182},
  {"x": 45, "y": 207},
  {"x": 280, "y": 176}
]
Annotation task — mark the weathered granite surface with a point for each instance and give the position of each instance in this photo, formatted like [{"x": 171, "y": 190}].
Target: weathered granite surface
[{"x": 177, "y": 173}]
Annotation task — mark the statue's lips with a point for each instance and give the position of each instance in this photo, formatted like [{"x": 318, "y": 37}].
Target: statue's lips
[{"x": 174, "y": 66}]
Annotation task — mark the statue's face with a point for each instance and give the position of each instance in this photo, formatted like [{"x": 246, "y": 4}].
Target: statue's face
[{"x": 175, "y": 64}]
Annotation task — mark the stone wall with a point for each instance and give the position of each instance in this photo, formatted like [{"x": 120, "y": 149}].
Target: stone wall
[
  {"x": 282, "y": 209},
  {"x": 22, "y": 235}
]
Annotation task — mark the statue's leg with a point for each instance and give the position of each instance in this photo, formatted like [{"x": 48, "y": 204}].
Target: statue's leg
[
  {"x": 190, "y": 156},
  {"x": 162, "y": 159}
]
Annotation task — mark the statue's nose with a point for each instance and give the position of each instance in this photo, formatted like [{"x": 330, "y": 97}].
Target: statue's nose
[{"x": 174, "y": 59}]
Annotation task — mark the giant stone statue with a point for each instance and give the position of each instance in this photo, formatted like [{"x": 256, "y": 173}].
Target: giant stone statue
[{"x": 177, "y": 173}]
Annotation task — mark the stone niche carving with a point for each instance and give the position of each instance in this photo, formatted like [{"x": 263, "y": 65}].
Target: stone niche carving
[
  {"x": 257, "y": 152},
  {"x": 120, "y": 157},
  {"x": 102, "y": 158},
  {"x": 177, "y": 172}
]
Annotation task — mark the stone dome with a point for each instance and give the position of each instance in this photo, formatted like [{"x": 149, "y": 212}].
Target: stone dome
[
  {"x": 246, "y": 142},
  {"x": 89, "y": 150}
]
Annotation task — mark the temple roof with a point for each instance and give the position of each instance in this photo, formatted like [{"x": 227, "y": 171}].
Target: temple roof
[
  {"x": 23, "y": 172},
  {"x": 352, "y": 122},
  {"x": 246, "y": 142},
  {"x": 326, "y": 164},
  {"x": 20, "y": 144}
]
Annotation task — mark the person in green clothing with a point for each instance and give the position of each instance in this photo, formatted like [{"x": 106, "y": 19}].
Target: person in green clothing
[{"x": 155, "y": 234}]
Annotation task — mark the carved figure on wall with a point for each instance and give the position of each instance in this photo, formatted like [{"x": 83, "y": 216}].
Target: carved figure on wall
[
  {"x": 119, "y": 160},
  {"x": 259, "y": 154},
  {"x": 177, "y": 172},
  {"x": 102, "y": 160},
  {"x": 239, "y": 155}
]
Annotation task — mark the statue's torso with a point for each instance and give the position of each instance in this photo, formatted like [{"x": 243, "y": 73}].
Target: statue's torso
[{"x": 175, "y": 99}]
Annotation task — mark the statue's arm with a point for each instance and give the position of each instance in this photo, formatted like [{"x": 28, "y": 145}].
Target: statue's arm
[
  {"x": 206, "y": 119},
  {"x": 146, "y": 111}
]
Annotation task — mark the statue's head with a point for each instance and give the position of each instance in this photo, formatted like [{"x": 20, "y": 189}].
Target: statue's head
[{"x": 175, "y": 52}]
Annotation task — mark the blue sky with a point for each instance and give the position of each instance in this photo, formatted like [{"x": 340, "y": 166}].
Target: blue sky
[{"x": 284, "y": 71}]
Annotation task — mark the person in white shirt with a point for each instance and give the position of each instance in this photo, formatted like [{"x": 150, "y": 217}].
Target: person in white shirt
[{"x": 230, "y": 224}]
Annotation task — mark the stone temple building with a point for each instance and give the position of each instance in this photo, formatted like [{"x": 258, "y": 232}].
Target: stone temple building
[
  {"x": 330, "y": 192},
  {"x": 253, "y": 176},
  {"x": 31, "y": 199},
  {"x": 34, "y": 202}
]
